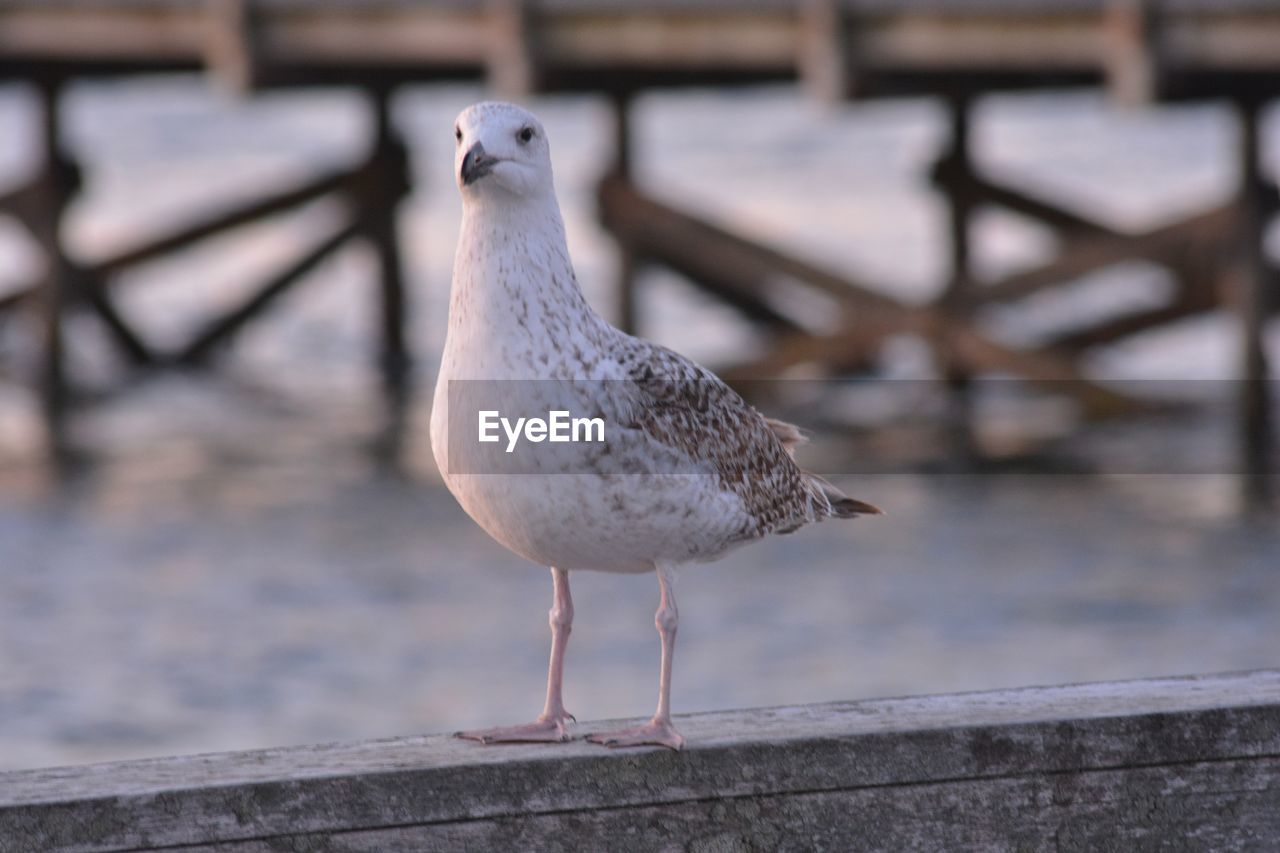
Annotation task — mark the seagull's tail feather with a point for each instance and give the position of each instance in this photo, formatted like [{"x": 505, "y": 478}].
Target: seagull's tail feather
[
  {"x": 789, "y": 435},
  {"x": 826, "y": 501},
  {"x": 836, "y": 503},
  {"x": 852, "y": 508}
]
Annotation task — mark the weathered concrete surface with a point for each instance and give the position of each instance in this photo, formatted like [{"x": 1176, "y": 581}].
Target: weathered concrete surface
[{"x": 1191, "y": 762}]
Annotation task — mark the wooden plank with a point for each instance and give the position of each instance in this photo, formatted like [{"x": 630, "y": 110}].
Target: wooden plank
[
  {"x": 1129, "y": 760},
  {"x": 901, "y": 45},
  {"x": 1167, "y": 808},
  {"x": 102, "y": 32}
]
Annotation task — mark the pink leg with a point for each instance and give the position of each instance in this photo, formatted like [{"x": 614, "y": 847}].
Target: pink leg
[
  {"x": 659, "y": 731},
  {"x": 552, "y": 724}
]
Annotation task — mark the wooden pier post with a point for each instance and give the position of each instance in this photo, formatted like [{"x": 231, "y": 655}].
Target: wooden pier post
[
  {"x": 390, "y": 164},
  {"x": 628, "y": 263},
  {"x": 1253, "y": 300},
  {"x": 51, "y": 193},
  {"x": 956, "y": 301}
]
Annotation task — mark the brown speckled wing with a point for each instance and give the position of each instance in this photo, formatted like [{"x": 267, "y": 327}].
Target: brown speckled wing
[{"x": 688, "y": 408}]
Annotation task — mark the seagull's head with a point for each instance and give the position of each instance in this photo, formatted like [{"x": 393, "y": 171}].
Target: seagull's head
[{"x": 501, "y": 148}]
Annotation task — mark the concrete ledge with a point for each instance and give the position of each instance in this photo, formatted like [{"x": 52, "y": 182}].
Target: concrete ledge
[{"x": 1185, "y": 763}]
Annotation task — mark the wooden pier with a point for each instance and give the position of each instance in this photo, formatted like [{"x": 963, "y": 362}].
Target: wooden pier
[
  {"x": 1184, "y": 764},
  {"x": 958, "y": 50}
]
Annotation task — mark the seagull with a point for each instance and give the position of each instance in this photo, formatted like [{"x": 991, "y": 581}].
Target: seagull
[{"x": 690, "y": 470}]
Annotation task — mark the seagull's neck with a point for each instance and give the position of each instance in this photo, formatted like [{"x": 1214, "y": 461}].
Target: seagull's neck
[{"x": 512, "y": 274}]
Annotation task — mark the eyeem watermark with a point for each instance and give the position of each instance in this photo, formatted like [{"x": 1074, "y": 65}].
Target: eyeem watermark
[{"x": 558, "y": 426}]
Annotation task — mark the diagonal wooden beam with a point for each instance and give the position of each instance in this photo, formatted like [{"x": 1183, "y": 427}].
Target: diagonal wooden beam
[
  {"x": 1047, "y": 370},
  {"x": 756, "y": 273},
  {"x": 1081, "y": 256},
  {"x": 224, "y": 221},
  {"x": 17, "y": 297},
  {"x": 91, "y": 290},
  {"x": 17, "y": 201},
  {"x": 853, "y": 347},
  {"x": 973, "y": 350},
  {"x": 1187, "y": 304},
  {"x": 983, "y": 190},
  {"x": 129, "y": 340},
  {"x": 732, "y": 267},
  {"x": 220, "y": 329}
]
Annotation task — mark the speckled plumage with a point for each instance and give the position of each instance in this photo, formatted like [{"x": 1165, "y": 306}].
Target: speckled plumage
[
  {"x": 689, "y": 469},
  {"x": 516, "y": 312}
]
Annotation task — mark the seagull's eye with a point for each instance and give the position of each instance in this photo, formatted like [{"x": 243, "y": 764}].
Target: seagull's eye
[
  {"x": 526, "y": 134},
  {"x": 457, "y": 133}
]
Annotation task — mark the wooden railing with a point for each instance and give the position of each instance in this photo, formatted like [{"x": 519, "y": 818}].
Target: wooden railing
[
  {"x": 839, "y": 48},
  {"x": 1175, "y": 763}
]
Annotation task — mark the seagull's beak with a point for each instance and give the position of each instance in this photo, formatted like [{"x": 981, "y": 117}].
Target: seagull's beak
[{"x": 476, "y": 164}]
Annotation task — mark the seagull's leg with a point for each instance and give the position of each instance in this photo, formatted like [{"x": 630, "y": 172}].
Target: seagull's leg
[
  {"x": 659, "y": 731},
  {"x": 551, "y": 725}
]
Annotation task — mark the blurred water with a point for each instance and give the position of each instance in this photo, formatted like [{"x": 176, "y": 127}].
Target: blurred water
[{"x": 237, "y": 571}]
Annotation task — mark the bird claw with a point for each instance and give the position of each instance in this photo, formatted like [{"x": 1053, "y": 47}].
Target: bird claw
[
  {"x": 542, "y": 730},
  {"x": 652, "y": 733}
]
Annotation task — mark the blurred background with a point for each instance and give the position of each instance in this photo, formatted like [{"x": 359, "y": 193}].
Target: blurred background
[{"x": 220, "y": 525}]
